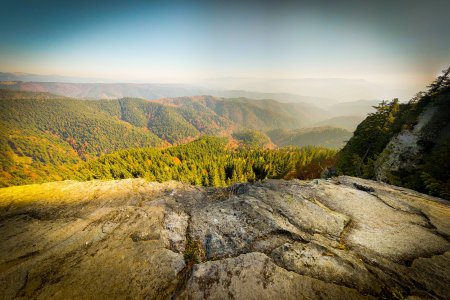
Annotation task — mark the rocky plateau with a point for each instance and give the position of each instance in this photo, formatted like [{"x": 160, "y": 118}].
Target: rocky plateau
[{"x": 342, "y": 238}]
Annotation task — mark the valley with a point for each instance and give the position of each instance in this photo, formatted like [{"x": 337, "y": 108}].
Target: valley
[{"x": 47, "y": 137}]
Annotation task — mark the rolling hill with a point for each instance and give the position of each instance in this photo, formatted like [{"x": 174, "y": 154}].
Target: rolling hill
[
  {"x": 252, "y": 114},
  {"x": 253, "y": 139}
]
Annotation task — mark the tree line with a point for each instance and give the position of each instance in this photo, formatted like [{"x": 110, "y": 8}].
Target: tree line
[{"x": 208, "y": 162}]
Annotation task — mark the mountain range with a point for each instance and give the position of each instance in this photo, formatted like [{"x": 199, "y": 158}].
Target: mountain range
[
  {"x": 43, "y": 133},
  {"x": 89, "y": 88}
]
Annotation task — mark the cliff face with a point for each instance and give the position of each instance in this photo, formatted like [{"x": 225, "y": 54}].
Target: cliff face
[
  {"x": 343, "y": 238},
  {"x": 404, "y": 151}
]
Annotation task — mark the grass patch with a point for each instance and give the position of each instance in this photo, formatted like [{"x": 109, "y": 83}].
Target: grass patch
[{"x": 193, "y": 252}]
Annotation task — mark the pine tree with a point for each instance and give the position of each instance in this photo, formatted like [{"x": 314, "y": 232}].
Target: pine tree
[{"x": 440, "y": 83}]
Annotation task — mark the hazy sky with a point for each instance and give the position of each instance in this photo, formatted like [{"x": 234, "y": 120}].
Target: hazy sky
[{"x": 401, "y": 43}]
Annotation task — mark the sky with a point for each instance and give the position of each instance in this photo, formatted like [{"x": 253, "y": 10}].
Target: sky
[{"x": 396, "y": 45}]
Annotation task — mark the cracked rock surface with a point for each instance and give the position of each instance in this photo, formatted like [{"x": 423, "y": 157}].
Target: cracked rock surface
[{"x": 344, "y": 238}]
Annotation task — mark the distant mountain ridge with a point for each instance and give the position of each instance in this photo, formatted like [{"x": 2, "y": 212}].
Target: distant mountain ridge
[
  {"x": 152, "y": 91},
  {"x": 96, "y": 90},
  {"x": 21, "y": 76},
  {"x": 90, "y": 88},
  {"x": 105, "y": 90}
]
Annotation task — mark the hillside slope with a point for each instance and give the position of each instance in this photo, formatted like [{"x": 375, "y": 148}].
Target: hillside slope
[
  {"x": 345, "y": 238},
  {"x": 42, "y": 138}
]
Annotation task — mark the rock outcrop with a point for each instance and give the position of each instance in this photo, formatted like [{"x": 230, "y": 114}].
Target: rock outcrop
[
  {"x": 404, "y": 151},
  {"x": 344, "y": 238},
  {"x": 418, "y": 155}
]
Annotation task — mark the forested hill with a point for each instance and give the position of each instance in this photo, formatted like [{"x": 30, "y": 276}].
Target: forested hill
[
  {"x": 208, "y": 162},
  {"x": 93, "y": 127},
  {"x": 261, "y": 115},
  {"x": 40, "y": 138},
  {"x": 405, "y": 144}
]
